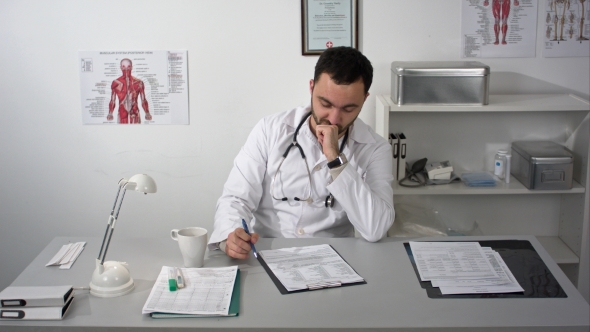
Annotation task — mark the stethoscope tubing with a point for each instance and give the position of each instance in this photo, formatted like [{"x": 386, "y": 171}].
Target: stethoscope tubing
[{"x": 329, "y": 202}]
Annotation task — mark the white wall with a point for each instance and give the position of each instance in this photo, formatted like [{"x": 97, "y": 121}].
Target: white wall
[{"x": 58, "y": 177}]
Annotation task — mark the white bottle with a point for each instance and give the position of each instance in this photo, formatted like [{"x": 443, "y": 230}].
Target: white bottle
[
  {"x": 499, "y": 164},
  {"x": 507, "y": 168}
]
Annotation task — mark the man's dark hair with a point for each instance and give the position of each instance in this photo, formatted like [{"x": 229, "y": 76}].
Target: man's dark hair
[{"x": 344, "y": 65}]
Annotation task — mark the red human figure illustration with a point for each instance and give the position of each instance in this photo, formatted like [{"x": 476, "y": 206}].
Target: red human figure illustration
[
  {"x": 501, "y": 10},
  {"x": 127, "y": 88}
]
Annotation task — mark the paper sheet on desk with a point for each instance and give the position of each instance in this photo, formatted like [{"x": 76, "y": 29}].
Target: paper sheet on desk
[
  {"x": 298, "y": 267},
  {"x": 505, "y": 283},
  {"x": 207, "y": 291},
  {"x": 463, "y": 268},
  {"x": 67, "y": 255},
  {"x": 451, "y": 260}
]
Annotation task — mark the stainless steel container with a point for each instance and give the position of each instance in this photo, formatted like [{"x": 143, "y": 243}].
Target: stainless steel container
[
  {"x": 542, "y": 165},
  {"x": 440, "y": 82}
]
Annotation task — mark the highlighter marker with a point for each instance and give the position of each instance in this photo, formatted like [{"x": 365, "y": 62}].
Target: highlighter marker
[{"x": 172, "y": 279}]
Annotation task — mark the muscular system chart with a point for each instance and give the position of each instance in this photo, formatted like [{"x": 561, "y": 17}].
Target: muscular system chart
[
  {"x": 134, "y": 87},
  {"x": 498, "y": 28}
]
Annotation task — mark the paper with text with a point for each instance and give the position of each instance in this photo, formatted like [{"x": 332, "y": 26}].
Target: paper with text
[
  {"x": 451, "y": 260},
  {"x": 299, "y": 267},
  {"x": 207, "y": 291},
  {"x": 505, "y": 283}
]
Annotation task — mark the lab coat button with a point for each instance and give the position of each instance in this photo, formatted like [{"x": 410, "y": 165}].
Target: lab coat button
[
  {"x": 300, "y": 231},
  {"x": 317, "y": 168}
]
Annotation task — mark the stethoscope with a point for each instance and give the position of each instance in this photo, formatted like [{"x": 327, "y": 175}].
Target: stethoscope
[{"x": 329, "y": 201}]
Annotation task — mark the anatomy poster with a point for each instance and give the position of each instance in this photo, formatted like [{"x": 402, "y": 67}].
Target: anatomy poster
[
  {"x": 498, "y": 28},
  {"x": 134, "y": 87},
  {"x": 567, "y": 28}
]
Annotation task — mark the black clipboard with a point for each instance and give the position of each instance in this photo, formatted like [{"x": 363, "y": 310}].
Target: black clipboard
[
  {"x": 284, "y": 290},
  {"x": 523, "y": 261}
]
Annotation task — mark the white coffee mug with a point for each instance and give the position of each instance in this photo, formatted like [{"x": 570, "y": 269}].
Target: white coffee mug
[{"x": 192, "y": 242}]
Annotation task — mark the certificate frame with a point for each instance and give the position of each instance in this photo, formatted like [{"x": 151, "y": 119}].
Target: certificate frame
[{"x": 316, "y": 18}]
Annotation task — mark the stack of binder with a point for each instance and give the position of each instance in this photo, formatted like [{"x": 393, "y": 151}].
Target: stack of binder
[
  {"x": 35, "y": 303},
  {"x": 398, "y": 148}
]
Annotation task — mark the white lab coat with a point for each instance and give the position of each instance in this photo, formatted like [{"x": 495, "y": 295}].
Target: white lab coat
[{"x": 362, "y": 191}]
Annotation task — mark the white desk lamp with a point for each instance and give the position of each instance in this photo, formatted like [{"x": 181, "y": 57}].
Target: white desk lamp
[{"x": 112, "y": 278}]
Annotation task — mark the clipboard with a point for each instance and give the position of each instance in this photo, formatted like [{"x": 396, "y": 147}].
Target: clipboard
[
  {"x": 284, "y": 290},
  {"x": 523, "y": 261}
]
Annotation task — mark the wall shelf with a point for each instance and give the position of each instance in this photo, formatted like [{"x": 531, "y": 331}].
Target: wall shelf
[
  {"x": 558, "y": 250},
  {"x": 469, "y": 136},
  {"x": 506, "y": 103},
  {"x": 458, "y": 188}
]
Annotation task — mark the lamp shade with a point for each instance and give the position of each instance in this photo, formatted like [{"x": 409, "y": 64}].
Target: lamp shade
[{"x": 143, "y": 183}]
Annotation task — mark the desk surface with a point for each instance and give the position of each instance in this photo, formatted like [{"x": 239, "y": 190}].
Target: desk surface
[{"x": 391, "y": 300}]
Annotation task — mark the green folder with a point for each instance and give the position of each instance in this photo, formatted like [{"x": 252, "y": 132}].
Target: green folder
[{"x": 234, "y": 306}]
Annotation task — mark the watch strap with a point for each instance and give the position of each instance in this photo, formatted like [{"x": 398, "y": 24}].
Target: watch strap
[{"x": 339, "y": 161}]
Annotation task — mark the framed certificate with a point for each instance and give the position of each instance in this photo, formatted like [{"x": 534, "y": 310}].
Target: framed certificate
[{"x": 327, "y": 24}]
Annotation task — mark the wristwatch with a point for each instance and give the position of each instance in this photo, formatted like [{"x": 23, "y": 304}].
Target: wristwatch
[{"x": 339, "y": 161}]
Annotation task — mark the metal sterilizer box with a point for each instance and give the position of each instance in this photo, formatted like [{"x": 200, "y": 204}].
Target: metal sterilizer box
[
  {"x": 440, "y": 82},
  {"x": 542, "y": 165}
]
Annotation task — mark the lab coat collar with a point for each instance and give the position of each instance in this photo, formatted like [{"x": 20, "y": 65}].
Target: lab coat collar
[{"x": 359, "y": 132}]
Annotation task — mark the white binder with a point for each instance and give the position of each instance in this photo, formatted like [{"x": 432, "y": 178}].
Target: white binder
[
  {"x": 35, "y": 313},
  {"x": 35, "y": 296}
]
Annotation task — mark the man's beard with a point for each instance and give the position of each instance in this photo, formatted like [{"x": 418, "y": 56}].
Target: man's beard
[{"x": 319, "y": 121}]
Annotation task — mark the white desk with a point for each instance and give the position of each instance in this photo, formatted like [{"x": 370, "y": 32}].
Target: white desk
[{"x": 392, "y": 299}]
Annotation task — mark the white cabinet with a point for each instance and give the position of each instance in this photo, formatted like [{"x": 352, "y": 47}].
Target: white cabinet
[{"x": 469, "y": 136}]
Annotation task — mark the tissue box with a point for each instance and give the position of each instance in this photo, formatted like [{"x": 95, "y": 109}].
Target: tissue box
[
  {"x": 542, "y": 165},
  {"x": 440, "y": 82}
]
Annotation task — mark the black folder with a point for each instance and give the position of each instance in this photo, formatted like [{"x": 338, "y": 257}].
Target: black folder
[{"x": 523, "y": 261}]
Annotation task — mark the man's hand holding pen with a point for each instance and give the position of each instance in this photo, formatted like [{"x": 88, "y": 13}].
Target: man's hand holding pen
[{"x": 238, "y": 243}]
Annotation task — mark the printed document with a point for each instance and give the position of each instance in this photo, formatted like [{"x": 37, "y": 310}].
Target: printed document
[
  {"x": 303, "y": 267},
  {"x": 451, "y": 260},
  {"x": 207, "y": 291},
  {"x": 119, "y": 87},
  {"x": 505, "y": 283},
  {"x": 463, "y": 268}
]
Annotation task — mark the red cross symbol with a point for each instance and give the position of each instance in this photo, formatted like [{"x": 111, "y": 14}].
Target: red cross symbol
[{"x": 329, "y": 44}]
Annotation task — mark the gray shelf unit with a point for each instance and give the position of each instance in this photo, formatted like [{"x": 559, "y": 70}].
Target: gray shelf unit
[{"x": 468, "y": 137}]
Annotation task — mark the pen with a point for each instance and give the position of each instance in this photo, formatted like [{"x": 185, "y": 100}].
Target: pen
[
  {"x": 172, "y": 279},
  {"x": 248, "y": 232},
  {"x": 179, "y": 278}
]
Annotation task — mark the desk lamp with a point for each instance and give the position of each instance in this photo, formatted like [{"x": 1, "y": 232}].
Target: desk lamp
[{"x": 112, "y": 278}]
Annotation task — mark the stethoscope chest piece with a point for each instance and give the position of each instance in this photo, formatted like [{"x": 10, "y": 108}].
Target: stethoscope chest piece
[{"x": 329, "y": 201}]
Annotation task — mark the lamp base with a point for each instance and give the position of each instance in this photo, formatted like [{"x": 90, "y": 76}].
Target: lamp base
[{"x": 111, "y": 279}]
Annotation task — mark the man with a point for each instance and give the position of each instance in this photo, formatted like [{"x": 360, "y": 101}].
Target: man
[
  {"x": 335, "y": 179},
  {"x": 127, "y": 88}
]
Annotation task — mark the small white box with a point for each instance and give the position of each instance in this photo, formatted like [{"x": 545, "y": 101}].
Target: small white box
[{"x": 439, "y": 170}]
